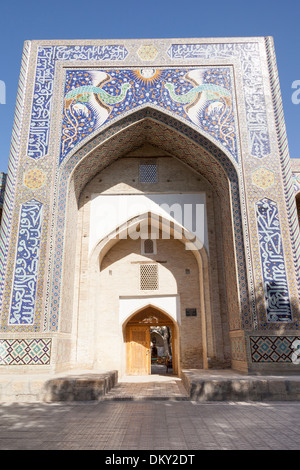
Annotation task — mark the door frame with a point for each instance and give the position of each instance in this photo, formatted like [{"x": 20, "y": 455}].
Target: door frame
[{"x": 164, "y": 320}]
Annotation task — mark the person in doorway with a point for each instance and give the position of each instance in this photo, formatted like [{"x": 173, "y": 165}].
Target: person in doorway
[
  {"x": 154, "y": 351},
  {"x": 169, "y": 362}
]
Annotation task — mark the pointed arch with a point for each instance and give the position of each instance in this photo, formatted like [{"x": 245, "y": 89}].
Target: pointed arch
[
  {"x": 142, "y": 112},
  {"x": 152, "y": 315},
  {"x": 193, "y": 150},
  {"x": 136, "y": 315},
  {"x": 157, "y": 221},
  {"x": 159, "y": 129},
  {"x": 201, "y": 256}
]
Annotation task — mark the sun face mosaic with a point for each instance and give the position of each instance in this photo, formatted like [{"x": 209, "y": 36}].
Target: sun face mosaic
[{"x": 202, "y": 96}]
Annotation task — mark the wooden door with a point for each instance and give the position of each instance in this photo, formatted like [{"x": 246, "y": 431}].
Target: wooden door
[{"x": 138, "y": 350}]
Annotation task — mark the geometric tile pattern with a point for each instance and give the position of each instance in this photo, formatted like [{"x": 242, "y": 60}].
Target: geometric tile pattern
[
  {"x": 147, "y": 52},
  {"x": 22, "y": 352},
  {"x": 272, "y": 348},
  {"x": 263, "y": 178},
  {"x": 34, "y": 179}
]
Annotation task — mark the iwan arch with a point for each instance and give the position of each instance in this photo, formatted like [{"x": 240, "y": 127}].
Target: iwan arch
[
  {"x": 111, "y": 266},
  {"x": 115, "y": 133}
]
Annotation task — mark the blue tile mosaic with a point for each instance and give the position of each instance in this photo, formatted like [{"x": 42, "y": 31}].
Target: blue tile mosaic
[
  {"x": 26, "y": 270},
  {"x": 38, "y": 141},
  {"x": 270, "y": 349},
  {"x": 248, "y": 56},
  {"x": 202, "y": 96},
  {"x": 272, "y": 261},
  {"x": 25, "y": 352}
]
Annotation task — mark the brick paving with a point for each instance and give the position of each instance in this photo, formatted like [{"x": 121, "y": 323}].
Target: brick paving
[
  {"x": 150, "y": 413},
  {"x": 155, "y": 387},
  {"x": 152, "y": 425}
]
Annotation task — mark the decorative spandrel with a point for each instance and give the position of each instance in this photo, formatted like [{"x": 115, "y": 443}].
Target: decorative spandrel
[
  {"x": 253, "y": 88},
  {"x": 202, "y": 96},
  {"x": 38, "y": 142}
]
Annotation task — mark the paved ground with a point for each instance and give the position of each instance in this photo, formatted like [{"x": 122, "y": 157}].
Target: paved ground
[
  {"x": 156, "y": 386},
  {"x": 150, "y": 413},
  {"x": 135, "y": 425}
]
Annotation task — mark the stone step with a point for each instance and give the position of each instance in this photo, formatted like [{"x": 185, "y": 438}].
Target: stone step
[
  {"x": 148, "y": 388},
  {"x": 83, "y": 387},
  {"x": 225, "y": 385},
  {"x": 194, "y": 385}
]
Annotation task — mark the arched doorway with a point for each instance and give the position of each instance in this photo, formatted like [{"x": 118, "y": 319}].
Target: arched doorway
[
  {"x": 139, "y": 332},
  {"x": 119, "y": 270}
]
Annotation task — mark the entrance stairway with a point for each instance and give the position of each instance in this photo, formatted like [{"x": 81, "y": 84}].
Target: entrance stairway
[
  {"x": 151, "y": 387},
  {"x": 229, "y": 385},
  {"x": 193, "y": 385},
  {"x": 207, "y": 386}
]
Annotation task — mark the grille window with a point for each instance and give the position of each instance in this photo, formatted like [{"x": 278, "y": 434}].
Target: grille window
[
  {"x": 149, "y": 277},
  {"x": 148, "y": 173},
  {"x": 148, "y": 247}
]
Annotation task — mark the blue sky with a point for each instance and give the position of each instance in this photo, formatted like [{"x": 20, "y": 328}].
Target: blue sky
[{"x": 58, "y": 19}]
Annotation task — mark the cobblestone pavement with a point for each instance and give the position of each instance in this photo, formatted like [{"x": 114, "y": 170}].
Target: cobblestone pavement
[{"x": 153, "y": 425}]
